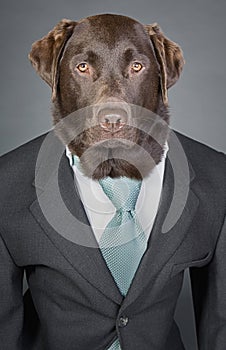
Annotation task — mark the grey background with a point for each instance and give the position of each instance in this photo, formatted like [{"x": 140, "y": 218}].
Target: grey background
[{"x": 197, "y": 101}]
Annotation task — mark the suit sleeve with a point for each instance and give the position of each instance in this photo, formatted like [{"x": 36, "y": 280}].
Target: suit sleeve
[
  {"x": 209, "y": 297},
  {"x": 11, "y": 301}
]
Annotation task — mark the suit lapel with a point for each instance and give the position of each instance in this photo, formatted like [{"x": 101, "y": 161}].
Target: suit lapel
[
  {"x": 61, "y": 215},
  {"x": 162, "y": 245}
]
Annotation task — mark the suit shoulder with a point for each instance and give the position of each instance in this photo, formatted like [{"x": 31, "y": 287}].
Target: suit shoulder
[
  {"x": 209, "y": 164},
  {"x": 200, "y": 151},
  {"x": 30, "y": 146},
  {"x": 19, "y": 164}
]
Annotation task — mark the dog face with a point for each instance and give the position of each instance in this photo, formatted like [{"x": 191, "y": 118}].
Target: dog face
[
  {"x": 109, "y": 58},
  {"x": 106, "y": 72}
]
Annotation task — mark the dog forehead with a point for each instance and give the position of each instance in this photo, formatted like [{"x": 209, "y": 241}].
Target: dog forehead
[{"x": 109, "y": 30}]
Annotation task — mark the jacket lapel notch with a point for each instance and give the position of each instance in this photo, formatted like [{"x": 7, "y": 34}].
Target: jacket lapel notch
[
  {"x": 61, "y": 215},
  {"x": 161, "y": 245}
]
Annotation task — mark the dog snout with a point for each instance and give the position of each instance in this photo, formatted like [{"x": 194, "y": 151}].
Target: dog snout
[{"x": 112, "y": 120}]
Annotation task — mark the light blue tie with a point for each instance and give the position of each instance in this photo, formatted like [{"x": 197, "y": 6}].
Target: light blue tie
[{"x": 123, "y": 241}]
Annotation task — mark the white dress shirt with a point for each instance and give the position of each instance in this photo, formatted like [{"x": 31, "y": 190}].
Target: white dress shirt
[{"x": 99, "y": 208}]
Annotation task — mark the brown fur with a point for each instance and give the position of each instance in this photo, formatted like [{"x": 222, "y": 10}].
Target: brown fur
[{"x": 109, "y": 43}]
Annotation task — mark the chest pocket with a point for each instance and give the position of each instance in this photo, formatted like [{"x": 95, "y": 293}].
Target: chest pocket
[{"x": 177, "y": 268}]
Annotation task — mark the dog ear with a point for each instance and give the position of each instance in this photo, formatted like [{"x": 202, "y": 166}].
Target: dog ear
[
  {"x": 169, "y": 56},
  {"x": 46, "y": 52}
]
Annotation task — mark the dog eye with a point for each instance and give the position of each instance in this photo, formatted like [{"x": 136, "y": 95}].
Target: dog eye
[
  {"x": 83, "y": 67},
  {"x": 136, "y": 67}
]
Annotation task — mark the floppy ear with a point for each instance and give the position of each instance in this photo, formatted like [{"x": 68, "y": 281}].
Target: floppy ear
[
  {"x": 169, "y": 56},
  {"x": 46, "y": 52}
]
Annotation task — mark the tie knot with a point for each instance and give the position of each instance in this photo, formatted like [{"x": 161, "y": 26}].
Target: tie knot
[{"x": 123, "y": 191}]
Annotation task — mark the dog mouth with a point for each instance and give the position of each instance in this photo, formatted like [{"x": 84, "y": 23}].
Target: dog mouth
[
  {"x": 115, "y": 144},
  {"x": 118, "y": 154},
  {"x": 97, "y": 136},
  {"x": 113, "y": 127}
]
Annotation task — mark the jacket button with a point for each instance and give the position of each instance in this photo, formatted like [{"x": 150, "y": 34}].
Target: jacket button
[{"x": 123, "y": 321}]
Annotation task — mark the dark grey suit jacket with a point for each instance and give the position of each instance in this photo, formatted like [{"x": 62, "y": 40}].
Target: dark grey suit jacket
[{"x": 72, "y": 302}]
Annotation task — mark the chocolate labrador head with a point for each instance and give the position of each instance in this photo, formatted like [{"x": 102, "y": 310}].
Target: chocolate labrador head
[{"x": 109, "y": 76}]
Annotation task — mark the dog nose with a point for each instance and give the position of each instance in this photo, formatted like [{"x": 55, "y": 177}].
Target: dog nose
[{"x": 112, "y": 120}]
